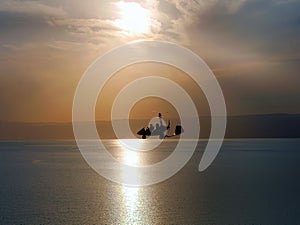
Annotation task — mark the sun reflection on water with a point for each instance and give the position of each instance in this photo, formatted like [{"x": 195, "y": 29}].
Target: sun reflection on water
[
  {"x": 131, "y": 202},
  {"x": 130, "y": 157},
  {"x": 131, "y": 196}
]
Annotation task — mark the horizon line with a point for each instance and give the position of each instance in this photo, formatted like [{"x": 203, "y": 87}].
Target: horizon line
[{"x": 107, "y": 120}]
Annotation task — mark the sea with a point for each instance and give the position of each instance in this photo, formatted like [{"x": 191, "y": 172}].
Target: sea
[{"x": 250, "y": 182}]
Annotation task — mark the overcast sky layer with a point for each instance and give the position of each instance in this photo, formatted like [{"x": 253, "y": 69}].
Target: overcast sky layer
[{"x": 252, "y": 46}]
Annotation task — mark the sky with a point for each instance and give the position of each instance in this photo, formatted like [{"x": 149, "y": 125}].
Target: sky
[{"x": 252, "y": 46}]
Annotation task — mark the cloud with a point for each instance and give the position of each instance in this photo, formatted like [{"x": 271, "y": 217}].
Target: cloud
[
  {"x": 31, "y": 8},
  {"x": 88, "y": 26},
  {"x": 260, "y": 25},
  {"x": 27, "y": 21},
  {"x": 177, "y": 16}
]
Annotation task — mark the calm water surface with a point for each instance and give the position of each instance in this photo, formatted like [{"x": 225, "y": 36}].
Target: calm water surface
[{"x": 250, "y": 182}]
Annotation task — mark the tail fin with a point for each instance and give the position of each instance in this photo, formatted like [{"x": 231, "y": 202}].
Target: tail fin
[{"x": 178, "y": 130}]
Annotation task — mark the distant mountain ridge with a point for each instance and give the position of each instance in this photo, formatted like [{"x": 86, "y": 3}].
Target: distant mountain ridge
[{"x": 243, "y": 126}]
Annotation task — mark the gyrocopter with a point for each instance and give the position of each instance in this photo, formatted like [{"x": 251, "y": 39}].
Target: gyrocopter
[{"x": 160, "y": 129}]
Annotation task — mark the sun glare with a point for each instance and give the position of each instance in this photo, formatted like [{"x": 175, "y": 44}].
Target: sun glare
[
  {"x": 129, "y": 156},
  {"x": 134, "y": 19}
]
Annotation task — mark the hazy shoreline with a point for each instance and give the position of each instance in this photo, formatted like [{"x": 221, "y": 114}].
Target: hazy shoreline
[{"x": 248, "y": 126}]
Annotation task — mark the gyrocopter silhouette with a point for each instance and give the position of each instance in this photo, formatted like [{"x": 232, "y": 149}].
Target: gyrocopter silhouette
[{"x": 160, "y": 129}]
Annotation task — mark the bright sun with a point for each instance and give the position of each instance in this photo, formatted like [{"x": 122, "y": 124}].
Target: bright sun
[{"x": 133, "y": 18}]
